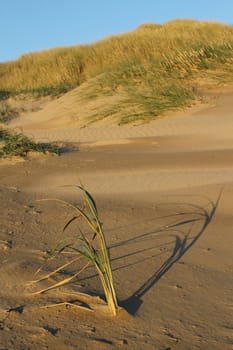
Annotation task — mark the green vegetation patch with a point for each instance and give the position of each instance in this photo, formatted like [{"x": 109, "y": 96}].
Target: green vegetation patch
[{"x": 17, "y": 144}]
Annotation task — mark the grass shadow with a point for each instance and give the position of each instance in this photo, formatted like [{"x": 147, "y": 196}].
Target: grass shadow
[{"x": 181, "y": 246}]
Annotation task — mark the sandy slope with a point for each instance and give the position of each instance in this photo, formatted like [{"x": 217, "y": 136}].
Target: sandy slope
[{"x": 164, "y": 192}]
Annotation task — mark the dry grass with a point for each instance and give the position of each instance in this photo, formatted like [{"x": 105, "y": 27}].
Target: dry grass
[{"x": 154, "y": 65}]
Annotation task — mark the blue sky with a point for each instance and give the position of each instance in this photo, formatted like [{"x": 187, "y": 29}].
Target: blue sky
[{"x": 31, "y": 25}]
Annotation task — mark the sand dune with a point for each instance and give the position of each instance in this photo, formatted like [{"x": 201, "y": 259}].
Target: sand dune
[
  {"x": 212, "y": 120},
  {"x": 164, "y": 192}
]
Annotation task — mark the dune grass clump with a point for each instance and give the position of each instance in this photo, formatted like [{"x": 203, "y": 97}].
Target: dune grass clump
[
  {"x": 89, "y": 244},
  {"x": 17, "y": 144}
]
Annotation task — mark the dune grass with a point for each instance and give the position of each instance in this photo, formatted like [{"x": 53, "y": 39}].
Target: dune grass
[
  {"x": 155, "y": 66},
  {"x": 89, "y": 244},
  {"x": 17, "y": 144}
]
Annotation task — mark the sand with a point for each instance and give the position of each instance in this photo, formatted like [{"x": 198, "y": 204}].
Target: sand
[{"x": 164, "y": 192}]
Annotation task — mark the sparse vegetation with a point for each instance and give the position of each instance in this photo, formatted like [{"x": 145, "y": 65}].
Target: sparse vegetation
[
  {"x": 7, "y": 113},
  {"x": 89, "y": 243},
  {"x": 17, "y": 144},
  {"x": 155, "y": 67}
]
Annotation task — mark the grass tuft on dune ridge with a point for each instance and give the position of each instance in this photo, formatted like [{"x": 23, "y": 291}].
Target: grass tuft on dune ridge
[{"x": 156, "y": 67}]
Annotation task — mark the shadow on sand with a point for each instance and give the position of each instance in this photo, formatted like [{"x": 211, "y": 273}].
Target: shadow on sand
[{"x": 203, "y": 215}]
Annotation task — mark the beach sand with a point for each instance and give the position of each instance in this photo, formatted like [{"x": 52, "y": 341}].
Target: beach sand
[{"x": 164, "y": 191}]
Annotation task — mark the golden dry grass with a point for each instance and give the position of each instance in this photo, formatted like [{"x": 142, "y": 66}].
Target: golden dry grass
[
  {"x": 183, "y": 42},
  {"x": 154, "y": 66}
]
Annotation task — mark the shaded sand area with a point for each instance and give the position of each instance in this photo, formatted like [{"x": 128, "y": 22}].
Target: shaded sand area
[{"x": 165, "y": 194}]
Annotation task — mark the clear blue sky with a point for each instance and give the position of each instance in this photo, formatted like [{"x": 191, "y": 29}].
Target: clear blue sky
[{"x": 31, "y": 25}]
